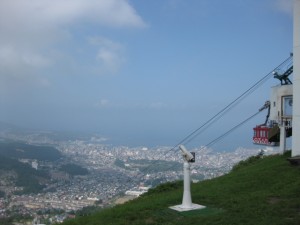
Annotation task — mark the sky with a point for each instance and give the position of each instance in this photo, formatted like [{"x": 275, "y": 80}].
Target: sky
[{"x": 139, "y": 72}]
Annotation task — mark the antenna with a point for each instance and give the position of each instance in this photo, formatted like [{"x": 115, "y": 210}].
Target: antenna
[{"x": 187, "y": 204}]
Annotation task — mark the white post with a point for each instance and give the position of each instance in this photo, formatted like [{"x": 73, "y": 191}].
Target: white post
[
  {"x": 186, "y": 199},
  {"x": 187, "y": 204},
  {"x": 296, "y": 81},
  {"x": 282, "y": 138}
]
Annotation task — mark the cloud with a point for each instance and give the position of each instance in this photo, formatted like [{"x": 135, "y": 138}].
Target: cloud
[
  {"x": 36, "y": 15},
  {"x": 34, "y": 32},
  {"x": 11, "y": 57},
  {"x": 110, "y": 53},
  {"x": 102, "y": 103}
]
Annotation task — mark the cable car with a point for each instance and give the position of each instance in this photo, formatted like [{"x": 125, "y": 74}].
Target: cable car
[
  {"x": 264, "y": 135},
  {"x": 279, "y": 110}
]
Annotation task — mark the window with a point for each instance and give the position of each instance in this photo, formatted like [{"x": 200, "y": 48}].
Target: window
[{"x": 287, "y": 106}]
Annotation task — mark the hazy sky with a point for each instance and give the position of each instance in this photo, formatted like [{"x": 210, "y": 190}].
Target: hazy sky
[{"x": 139, "y": 71}]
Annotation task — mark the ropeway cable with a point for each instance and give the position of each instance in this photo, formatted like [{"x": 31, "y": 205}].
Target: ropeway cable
[
  {"x": 226, "y": 109},
  {"x": 229, "y": 106},
  {"x": 231, "y": 130},
  {"x": 214, "y": 141},
  {"x": 218, "y": 115}
]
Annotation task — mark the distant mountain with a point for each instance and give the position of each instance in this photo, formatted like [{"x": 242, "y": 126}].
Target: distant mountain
[
  {"x": 4, "y": 127},
  {"x": 22, "y": 174},
  {"x": 26, "y": 176},
  {"x": 19, "y": 150},
  {"x": 45, "y": 136}
]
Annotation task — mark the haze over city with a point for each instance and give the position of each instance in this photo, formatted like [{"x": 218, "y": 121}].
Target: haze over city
[{"x": 139, "y": 72}]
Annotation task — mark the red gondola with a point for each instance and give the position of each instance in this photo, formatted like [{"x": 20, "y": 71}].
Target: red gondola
[
  {"x": 264, "y": 135},
  {"x": 268, "y": 133}
]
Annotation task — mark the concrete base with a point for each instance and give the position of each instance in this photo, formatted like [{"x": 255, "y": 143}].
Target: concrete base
[
  {"x": 181, "y": 208},
  {"x": 295, "y": 161}
]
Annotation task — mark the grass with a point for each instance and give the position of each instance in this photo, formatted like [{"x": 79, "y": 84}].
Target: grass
[{"x": 257, "y": 191}]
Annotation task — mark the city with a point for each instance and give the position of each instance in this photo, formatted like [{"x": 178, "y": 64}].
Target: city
[{"x": 115, "y": 174}]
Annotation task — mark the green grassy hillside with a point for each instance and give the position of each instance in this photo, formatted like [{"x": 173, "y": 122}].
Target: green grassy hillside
[{"x": 257, "y": 191}]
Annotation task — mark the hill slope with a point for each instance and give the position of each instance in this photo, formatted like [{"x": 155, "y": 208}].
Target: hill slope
[
  {"x": 19, "y": 150},
  {"x": 26, "y": 176},
  {"x": 257, "y": 191}
]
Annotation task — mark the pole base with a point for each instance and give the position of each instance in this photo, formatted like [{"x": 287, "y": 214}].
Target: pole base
[
  {"x": 295, "y": 161},
  {"x": 182, "y": 208}
]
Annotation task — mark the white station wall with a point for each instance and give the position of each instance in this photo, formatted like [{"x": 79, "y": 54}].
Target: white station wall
[{"x": 296, "y": 81}]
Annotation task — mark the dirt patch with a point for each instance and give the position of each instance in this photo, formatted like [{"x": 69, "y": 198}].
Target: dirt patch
[{"x": 124, "y": 199}]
